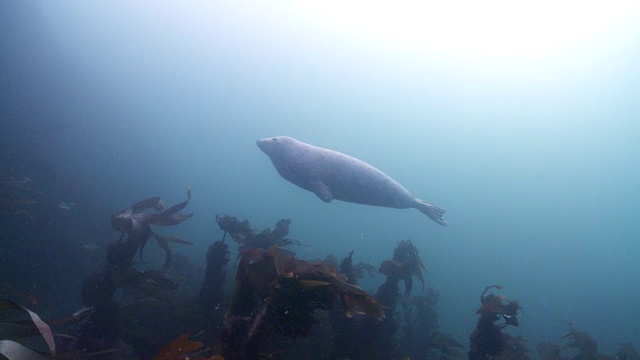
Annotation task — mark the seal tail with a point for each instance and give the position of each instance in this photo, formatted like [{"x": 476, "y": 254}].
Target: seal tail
[{"x": 432, "y": 211}]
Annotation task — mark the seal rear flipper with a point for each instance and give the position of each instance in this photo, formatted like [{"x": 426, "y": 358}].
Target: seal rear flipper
[
  {"x": 322, "y": 191},
  {"x": 432, "y": 211}
]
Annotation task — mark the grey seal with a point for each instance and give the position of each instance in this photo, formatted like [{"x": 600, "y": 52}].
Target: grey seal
[{"x": 333, "y": 175}]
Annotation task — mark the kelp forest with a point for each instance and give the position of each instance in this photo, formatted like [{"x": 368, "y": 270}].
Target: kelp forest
[{"x": 261, "y": 302}]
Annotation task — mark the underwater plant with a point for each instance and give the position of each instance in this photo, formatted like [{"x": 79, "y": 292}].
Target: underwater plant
[
  {"x": 18, "y": 322},
  {"x": 626, "y": 351},
  {"x": 183, "y": 348},
  {"x": 586, "y": 345},
  {"x": 212, "y": 297},
  {"x": 548, "y": 351},
  {"x": 135, "y": 222},
  {"x": 487, "y": 340},
  {"x": 242, "y": 233},
  {"x": 279, "y": 294},
  {"x": 405, "y": 263},
  {"x": 357, "y": 271},
  {"x": 103, "y": 330},
  {"x": 404, "y": 266},
  {"x": 419, "y": 322}
]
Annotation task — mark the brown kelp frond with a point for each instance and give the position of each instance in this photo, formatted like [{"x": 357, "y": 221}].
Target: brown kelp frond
[
  {"x": 169, "y": 239},
  {"x": 361, "y": 268},
  {"x": 275, "y": 292},
  {"x": 99, "y": 288},
  {"x": 405, "y": 264},
  {"x": 515, "y": 348},
  {"x": 487, "y": 340},
  {"x": 152, "y": 202},
  {"x": 183, "y": 348},
  {"x": 290, "y": 290},
  {"x": 548, "y": 351},
  {"x": 135, "y": 222},
  {"x": 178, "y": 347},
  {"x": 627, "y": 351},
  {"x": 582, "y": 341},
  {"x": 354, "y": 298},
  {"x": 242, "y": 233},
  {"x": 446, "y": 344},
  {"x": 498, "y": 305},
  {"x": 164, "y": 241},
  {"x": 132, "y": 219},
  {"x": 443, "y": 341},
  {"x": 232, "y": 226},
  {"x": 357, "y": 271},
  {"x": 15, "y": 351},
  {"x": 7, "y": 291},
  {"x": 12, "y": 313}
]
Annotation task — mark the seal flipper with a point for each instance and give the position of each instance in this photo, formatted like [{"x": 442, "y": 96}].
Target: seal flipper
[
  {"x": 322, "y": 191},
  {"x": 432, "y": 211}
]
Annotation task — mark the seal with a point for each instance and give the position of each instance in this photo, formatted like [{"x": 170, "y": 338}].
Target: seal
[{"x": 333, "y": 175}]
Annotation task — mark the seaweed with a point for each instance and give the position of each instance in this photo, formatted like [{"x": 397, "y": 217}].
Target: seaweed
[
  {"x": 446, "y": 345},
  {"x": 420, "y": 321},
  {"x": 548, "y": 351},
  {"x": 103, "y": 330},
  {"x": 242, "y": 233},
  {"x": 487, "y": 340},
  {"x": 404, "y": 266},
  {"x": 279, "y": 294},
  {"x": 18, "y": 322},
  {"x": 212, "y": 297},
  {"x": 183, "y": 348},
  {"x": 586, "y": 345},
  {"x": 136, "y": 224},
  {"x": 626, "y": 351},
  {"x": 357, "y": 271}
]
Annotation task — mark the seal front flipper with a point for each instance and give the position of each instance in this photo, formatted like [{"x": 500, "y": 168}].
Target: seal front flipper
[{"x": 321, "y": 190}]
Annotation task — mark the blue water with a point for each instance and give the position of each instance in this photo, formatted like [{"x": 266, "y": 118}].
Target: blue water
[{"x": 536, "y": 162}]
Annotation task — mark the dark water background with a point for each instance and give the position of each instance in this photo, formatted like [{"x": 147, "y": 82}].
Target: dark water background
[{"x": 537, "y": 163}]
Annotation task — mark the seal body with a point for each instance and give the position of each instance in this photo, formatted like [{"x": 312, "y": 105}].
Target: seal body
[{"x": 333, "y": 175}]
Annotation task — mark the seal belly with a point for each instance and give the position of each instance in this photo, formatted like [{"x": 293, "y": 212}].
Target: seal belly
[{"x": 353, "y": 180}]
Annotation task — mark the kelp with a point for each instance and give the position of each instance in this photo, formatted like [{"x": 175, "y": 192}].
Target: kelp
[
  {"x": 548, "y": 351},
  {"x": 627, "y": 351},
  {"x": 212, "y": 295},
  {"x": 7, "y": 291},
  {"x": 135, "y": 222},
  {"x": 275, "y": 290},
  {"x": 404, "y": 266},
  {"x": 420, "y": 320},
  {"x": 487, "y": 340},
  {"x": 242, "y": 233},
  {"x": 14, "y": 325},
  {"x": 16, "y": 351},
  {"x": 495, "y": 305},
  {"x": 382, "y": 334},
  {"x": 445, "y": 343},
  {"x": 103, "y": 330},
  {"x": 353, "y": 272},
  {"x": 179, "y": 347},
  {"x": 580, "y": 340},
  {"x": 278, "y": 269}
]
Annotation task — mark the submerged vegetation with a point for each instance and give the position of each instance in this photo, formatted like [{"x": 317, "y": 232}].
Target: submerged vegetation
[{"x": 267, "y": 304}]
